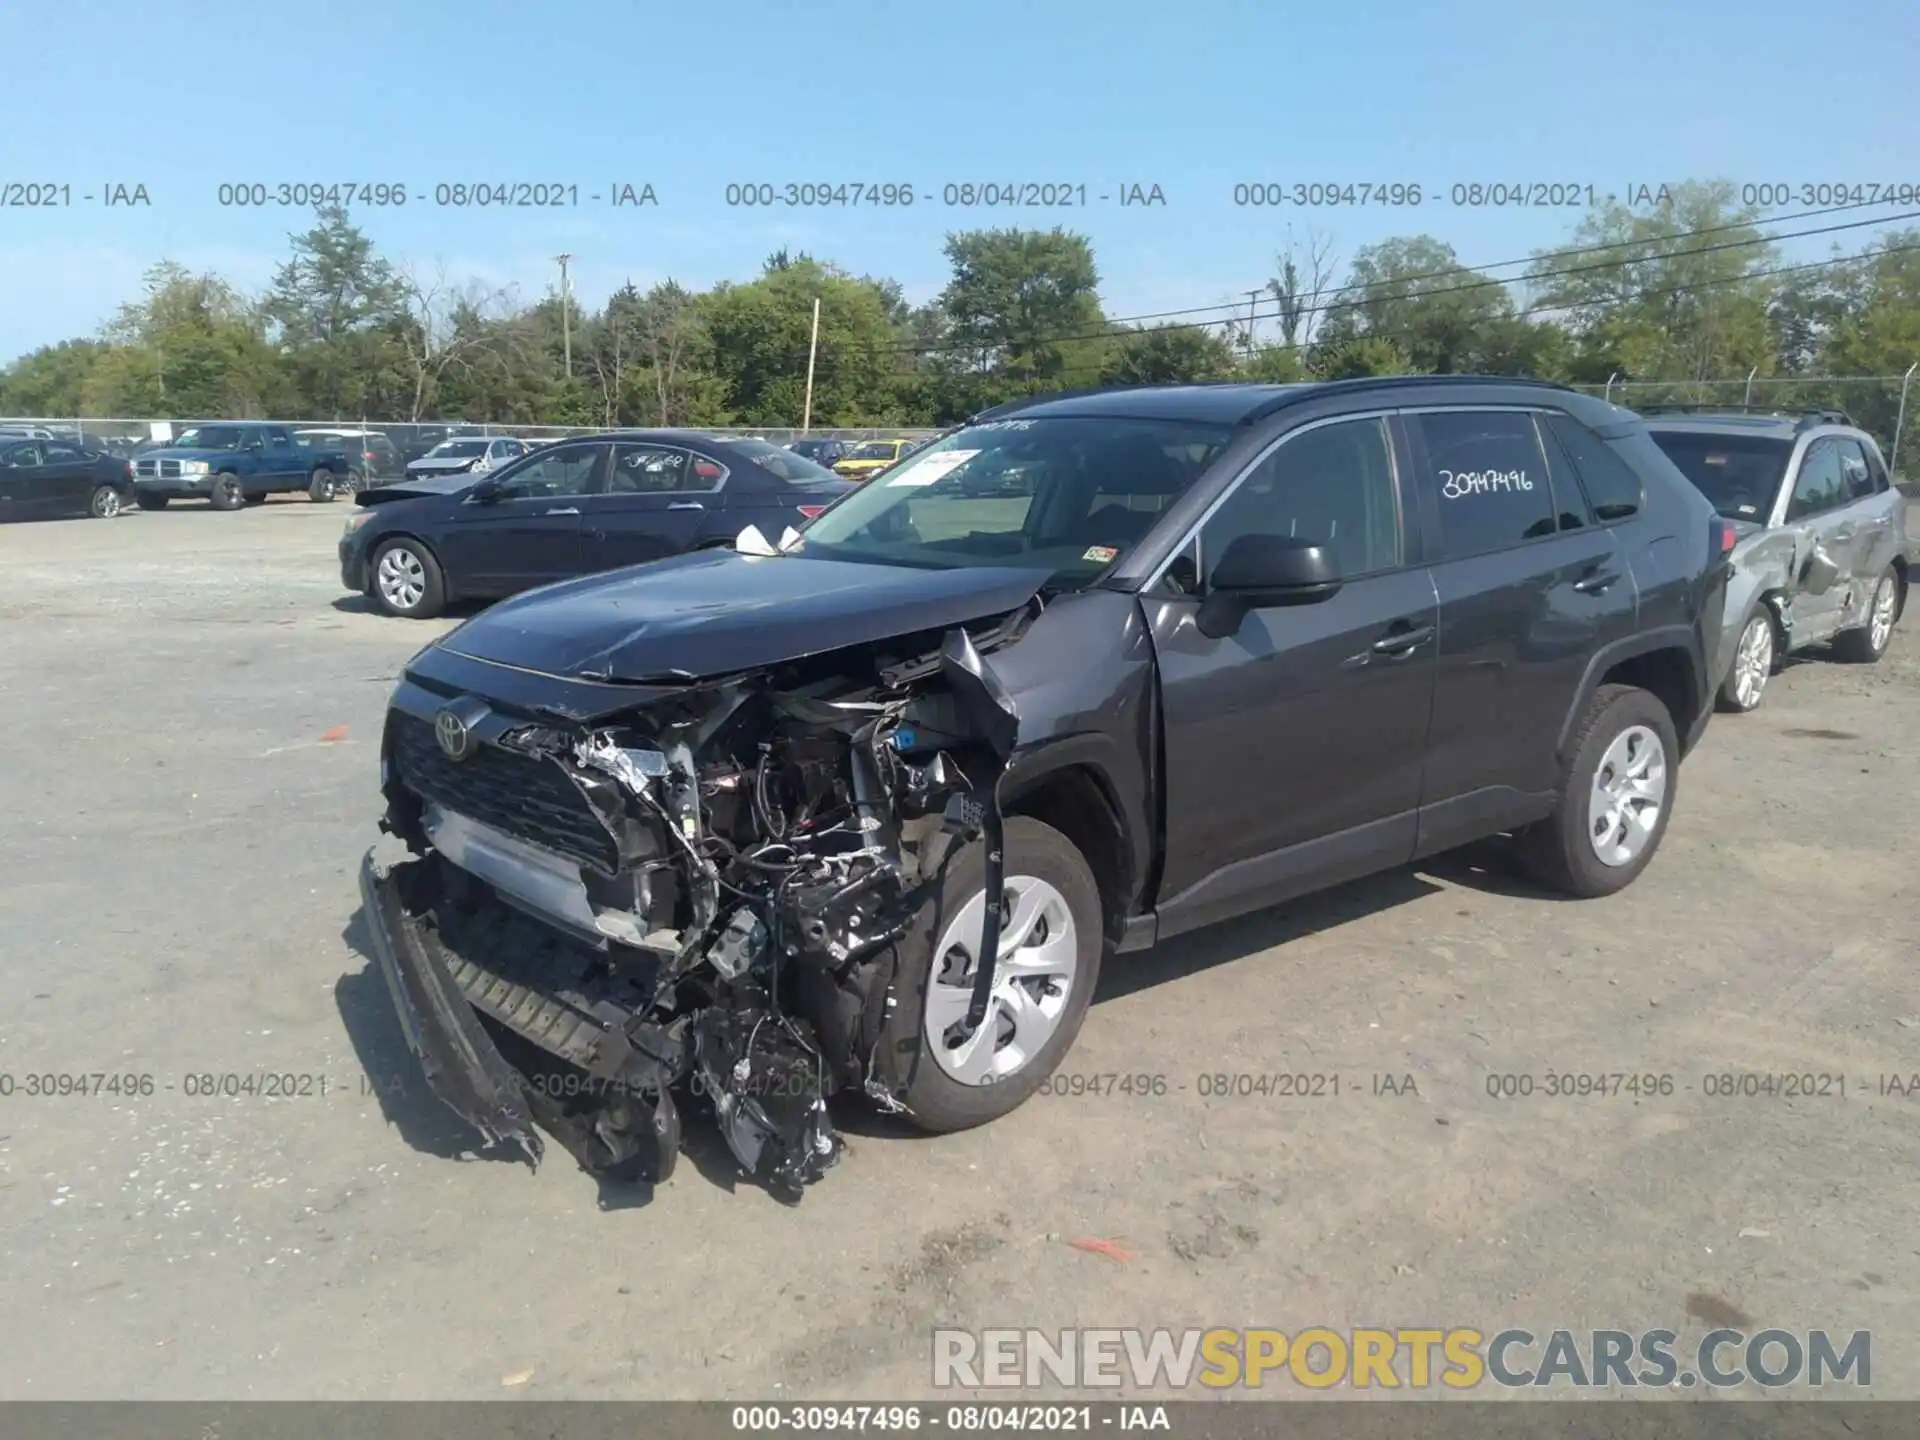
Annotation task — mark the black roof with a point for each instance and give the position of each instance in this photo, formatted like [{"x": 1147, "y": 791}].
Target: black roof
[{"x": 1240, "y": 403}]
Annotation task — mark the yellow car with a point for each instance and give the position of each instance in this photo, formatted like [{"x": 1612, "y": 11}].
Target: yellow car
[{"x": 870, "y": 457}]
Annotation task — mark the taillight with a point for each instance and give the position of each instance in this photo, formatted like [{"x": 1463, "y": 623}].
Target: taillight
[
  {"x": 810, "y": 511},
  {"x": 130, "y": 469},
  {"x": 1725, "y": 538}
]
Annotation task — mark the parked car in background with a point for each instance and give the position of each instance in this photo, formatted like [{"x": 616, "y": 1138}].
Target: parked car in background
[
  {"x": 370, "y": 454},
  {"x": 1822, "y": 548},
  {"x": 235, "y": 464},
  {"x": 477, "y": 453},
  {"x": 882, "y": 803},
  {"x": 868, "y": 458},
  {"x": 42, "y": 479},
  {"x": 820, "y": 449},
  {"x": 571, "y": 508}
]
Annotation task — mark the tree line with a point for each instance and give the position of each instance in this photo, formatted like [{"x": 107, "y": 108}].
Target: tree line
[{"x": 1693, "y": 287}]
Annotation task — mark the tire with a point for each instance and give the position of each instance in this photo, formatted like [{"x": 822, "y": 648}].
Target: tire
[
  {"x": 1756, "y": 655},
  {"x": 227, "y": 494},
  {"x": 1043, "y": 869},
  {"x": 322, "y": 487},
  {"x": 150, "y": 502},
  {"x": 1563, "y": 851},
  {"x": 256, "y": 498},
  {"x": 405, "y": 568},
  {"x": 104, "y": 503},
  {"x": 1868, "y": 643}
]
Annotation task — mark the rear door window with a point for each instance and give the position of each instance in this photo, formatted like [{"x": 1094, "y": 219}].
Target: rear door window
[
  {"x": 1821, "y": 484},
  {"x": 1853, "y": 465},
  {"x": 1488, "y": 475}
]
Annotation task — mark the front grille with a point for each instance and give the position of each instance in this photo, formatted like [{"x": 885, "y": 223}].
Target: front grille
[
  {"x": 528, "y": 797},
  {"x": 157, "y": 469}
]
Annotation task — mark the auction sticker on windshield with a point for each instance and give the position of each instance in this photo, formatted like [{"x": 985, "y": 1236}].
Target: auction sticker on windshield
[{"x": 929, "y": 468}]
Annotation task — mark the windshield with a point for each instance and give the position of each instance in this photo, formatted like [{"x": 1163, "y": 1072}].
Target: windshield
[
  {"x": 1065, "y": 496},
  {"x": 1739, "y": 474},
  {"x": 209, "y": 437},
  {"x": 457, "y": 449},
  {"x": 875, "y": 450},
  {"x": 785, "y": 463}
]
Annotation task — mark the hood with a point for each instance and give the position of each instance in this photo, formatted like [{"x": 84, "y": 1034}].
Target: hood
[
  {"x": 716, "y": 612},
  {"x": 180, "y": 452},
  {"x": 414, "y": 486},
  {"x": 442, "y": 464}
]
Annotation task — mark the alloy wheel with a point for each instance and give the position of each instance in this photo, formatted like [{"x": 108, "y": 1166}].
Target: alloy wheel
[
  {"x": 1039, "y": 953},
  {"x": 1753, "y": 662},
  {"x": 1880, "y": 626}
]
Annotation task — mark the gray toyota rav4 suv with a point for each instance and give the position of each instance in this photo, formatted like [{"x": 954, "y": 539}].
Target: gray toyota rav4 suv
[{"x": 866, "y": 809}]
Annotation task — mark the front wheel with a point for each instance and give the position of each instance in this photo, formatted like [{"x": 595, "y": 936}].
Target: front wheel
[
  {"x": 322, "y": 487},
  {"x": 1615, "y": 797},
  {"x": 1868, "y": 643},
  {"x": 1753, "y": 661},
  {"x": 104, "y": 504},
  {"x": 227, "y": 494},
  {"x": 1051, "y": 943},
  {"x": 150, "y": 502},
  {"x": 407, "y": 580}
]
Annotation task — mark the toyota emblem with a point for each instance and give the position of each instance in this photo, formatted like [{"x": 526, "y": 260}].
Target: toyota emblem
[{"x": 454, "y": 734}]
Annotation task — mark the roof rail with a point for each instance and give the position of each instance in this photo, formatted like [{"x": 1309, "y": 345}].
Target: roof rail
[
  {"x": 1804, "y": 417},
  {"x": 1310, "y": 389}
]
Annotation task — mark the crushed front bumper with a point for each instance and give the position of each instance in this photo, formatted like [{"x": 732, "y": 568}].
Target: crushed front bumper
[{"x": 462, "y": 1064}]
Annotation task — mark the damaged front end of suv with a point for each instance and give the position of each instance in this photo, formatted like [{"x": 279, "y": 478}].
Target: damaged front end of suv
[{"x": 690, "y": 900}]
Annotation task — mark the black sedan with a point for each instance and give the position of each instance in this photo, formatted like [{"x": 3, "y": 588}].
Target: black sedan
[
  {"x": 43, "y": 479},
  {"x": 820, "y": 450},
  {"x": 596, "y": 502}
]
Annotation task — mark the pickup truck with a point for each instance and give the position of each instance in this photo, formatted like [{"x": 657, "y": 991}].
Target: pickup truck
[{"x": 237, "y": 464}]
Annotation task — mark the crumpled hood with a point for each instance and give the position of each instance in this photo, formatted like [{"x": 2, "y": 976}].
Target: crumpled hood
[
  {"x": 441, "y": 464},
  {"x": 415, "y": 486},
  {"x": 715, "y": 612}
]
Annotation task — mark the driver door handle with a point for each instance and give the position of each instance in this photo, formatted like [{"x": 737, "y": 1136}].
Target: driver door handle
[
  {"x": 570, "y": 510},
  {"x": 1398, "y": 644},
  {"x": 686, "y": 505},
  {"x": 1596, "y": 584}
]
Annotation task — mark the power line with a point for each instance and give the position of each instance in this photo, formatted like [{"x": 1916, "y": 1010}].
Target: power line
[
  {"x": 1114, "y": 326},
  {"x": 1643, "y": 294}
]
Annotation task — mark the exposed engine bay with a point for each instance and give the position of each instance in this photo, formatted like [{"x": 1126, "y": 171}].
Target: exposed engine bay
[{"x": 698, "y": 903}]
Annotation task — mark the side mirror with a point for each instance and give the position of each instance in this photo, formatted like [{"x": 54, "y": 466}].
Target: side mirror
[
  {"x": 1819, "y": 573},
  {"x": 1259, "y": 570},
  {"x": 487, "y": 492}
]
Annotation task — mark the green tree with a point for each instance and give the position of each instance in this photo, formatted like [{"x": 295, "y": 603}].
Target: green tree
[
  {"x": 1015, "y": 298},
  {"x": 1167, "y": 355},
  {"x": 192, "y": 347},
  {"x": 1664, "y": 301},
  {"x": 329, "y": 303},
  {"x": 1413, "y": 293},
  {"x": 760, "y": 335},
  {"x": 51, "y": 381}
]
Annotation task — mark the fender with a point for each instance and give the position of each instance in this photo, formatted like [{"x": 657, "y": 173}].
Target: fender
[
  {"x": 1665, "y": 637},
  {"x": 1106, "y": 761}
]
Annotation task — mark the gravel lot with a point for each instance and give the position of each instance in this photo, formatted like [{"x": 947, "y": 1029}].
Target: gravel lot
[{"x": 191, "y": 710}]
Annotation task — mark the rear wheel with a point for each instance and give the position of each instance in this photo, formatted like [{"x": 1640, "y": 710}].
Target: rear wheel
[
  {"x": 1615, "y": 797},
  {"x": 322, "y": 487},
  {"x": 1051, "y": 943},
  {"x": 407, "y": 581},
  {"x": 227, "y": 494},
  {"x": 1868, "y": 643},
  {"x": 104, "y": 504}
]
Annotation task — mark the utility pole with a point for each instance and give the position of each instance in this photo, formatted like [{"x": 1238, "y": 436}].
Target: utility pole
[
  {"x": 1253, "y": 314},
  {"x": 566, "y": 312},
  {"x": 813, "y": 349}
]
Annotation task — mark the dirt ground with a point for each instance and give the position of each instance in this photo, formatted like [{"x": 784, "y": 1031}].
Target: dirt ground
[{"x": 191, "y": 714}]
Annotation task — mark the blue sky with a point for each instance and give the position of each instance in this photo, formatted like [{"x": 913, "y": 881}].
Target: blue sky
[{"x": 1192, "y": 96}]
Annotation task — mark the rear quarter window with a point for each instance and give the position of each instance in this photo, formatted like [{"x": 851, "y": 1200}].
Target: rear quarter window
[{"x": 1613, "y": 488}]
